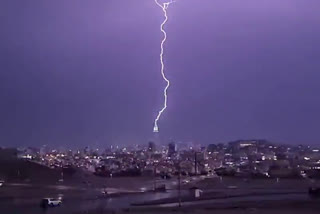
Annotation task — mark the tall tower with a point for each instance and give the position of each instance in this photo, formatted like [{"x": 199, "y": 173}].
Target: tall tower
[
  {"x": 156, "y": 138},
  {"x": 172, "y": 149},
  {"x": 155, "y": 129},
  {"x": 151, "y": 147}
]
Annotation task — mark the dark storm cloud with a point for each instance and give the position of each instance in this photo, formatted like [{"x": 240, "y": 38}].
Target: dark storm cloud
[{"x": 79, "y": 72}]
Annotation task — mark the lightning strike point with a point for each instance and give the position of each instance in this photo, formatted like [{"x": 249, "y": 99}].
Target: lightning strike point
[{"x": 155, "y": 129}]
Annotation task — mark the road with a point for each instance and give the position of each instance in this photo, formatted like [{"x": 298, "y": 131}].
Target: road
[
  {"x": 25, "y": 199},
  {"x": 80, "y": 204}
]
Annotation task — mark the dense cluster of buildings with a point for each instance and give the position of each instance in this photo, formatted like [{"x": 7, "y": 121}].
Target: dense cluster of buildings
[{"x": 242, "y": 158}]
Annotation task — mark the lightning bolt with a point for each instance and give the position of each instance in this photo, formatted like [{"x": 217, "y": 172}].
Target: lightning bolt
[{"x": 164, "y": 7}]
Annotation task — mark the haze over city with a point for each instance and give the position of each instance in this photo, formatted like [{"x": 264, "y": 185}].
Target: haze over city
[{"x": 82, "y": 73}]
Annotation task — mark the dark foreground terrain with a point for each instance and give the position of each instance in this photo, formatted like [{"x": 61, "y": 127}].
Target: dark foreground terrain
[{"x": 27, "y": 183}]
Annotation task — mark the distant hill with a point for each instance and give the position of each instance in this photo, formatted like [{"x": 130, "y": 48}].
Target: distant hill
[
  {"x": 14, "y": 169},
  {"x": 17, "y": 170}
]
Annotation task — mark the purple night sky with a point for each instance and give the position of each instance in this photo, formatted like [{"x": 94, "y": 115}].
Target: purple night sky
[{"x": 88, "y": 72}]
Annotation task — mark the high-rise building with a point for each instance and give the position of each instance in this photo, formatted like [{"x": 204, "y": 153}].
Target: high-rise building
[
  {"x": 151, "y": 146},
  {"x": 172, "y": 149}
]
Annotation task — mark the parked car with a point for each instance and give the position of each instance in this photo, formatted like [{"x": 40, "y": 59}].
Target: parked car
[{"x": 51, "y": 202}]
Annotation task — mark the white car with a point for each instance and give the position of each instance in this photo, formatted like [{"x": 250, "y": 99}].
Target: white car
[
  {"x": 53, "y": 202},
  {"x": 185, "y": 181}
]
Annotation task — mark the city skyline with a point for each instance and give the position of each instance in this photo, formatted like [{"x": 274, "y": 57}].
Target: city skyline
[{"x": 239, "y": 70}]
